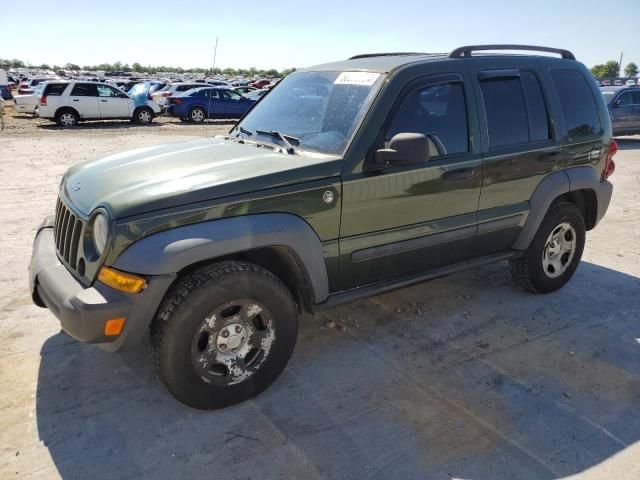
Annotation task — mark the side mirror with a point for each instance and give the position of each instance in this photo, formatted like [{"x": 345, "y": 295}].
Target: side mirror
[{"x": 404, "y": 149}]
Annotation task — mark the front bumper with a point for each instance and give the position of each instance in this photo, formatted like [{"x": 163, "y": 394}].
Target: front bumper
[{"x": 83, "y": 311}]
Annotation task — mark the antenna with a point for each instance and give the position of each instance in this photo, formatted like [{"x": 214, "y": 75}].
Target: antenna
[
  {"x": 215, "y": 53},
  {"x": 620, "y": 65}
]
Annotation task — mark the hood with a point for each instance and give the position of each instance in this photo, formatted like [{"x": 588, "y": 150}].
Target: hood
[{"x": 171, "y": 175}]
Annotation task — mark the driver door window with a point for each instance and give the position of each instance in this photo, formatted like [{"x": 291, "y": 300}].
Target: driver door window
[{"x": 437, "y": 111}]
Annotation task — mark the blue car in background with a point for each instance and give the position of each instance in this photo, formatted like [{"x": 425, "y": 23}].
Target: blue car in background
[{"x": 198, "y": 104}]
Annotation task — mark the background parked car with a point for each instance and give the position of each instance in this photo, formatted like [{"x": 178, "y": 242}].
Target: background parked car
[
  {"x": 244, "y": 89},
  {"x": 68, "y": 103},
  {"x": 160, "y": 96},
  {"x": 208, "y": 102},
  {"x": 28, "y": 103},
  {"x": 260, "y": 83},
  {"x": 623, "y": 104},
  {"x": 256, "y": 95},
  {"x": 26, "y": 88},
  {"x": 5, "y": 92},
  {"x": 630, "y": 82}
]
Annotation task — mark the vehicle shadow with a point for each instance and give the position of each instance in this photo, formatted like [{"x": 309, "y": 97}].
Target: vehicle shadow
[
  {"x": 101, "y": 125},
  {"x": 465, "y": 377}
]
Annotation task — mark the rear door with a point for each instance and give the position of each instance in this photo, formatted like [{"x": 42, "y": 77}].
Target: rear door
[
  {"x": 519, "y": 143},
  {"x": 408, "y": 219},
  {"x": 84, "y": 99},
  {"x": 113, "y": 103}
]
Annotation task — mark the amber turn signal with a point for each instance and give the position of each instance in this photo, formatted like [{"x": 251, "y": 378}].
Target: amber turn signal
[
  {"x": 125, "y": 282},
  {"x": 114, "y": 327}
]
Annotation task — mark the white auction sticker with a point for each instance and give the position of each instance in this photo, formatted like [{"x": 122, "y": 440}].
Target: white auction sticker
[{"x": 356, "y": 78}]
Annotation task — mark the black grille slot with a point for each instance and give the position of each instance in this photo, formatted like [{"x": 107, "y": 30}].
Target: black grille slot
[{"x": 67, "y": 231}]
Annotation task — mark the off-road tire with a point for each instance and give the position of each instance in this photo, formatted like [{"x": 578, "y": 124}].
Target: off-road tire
[
  {"x": 527, "y": 269},
  {"x": 67, "y": 117},
  {"x": 185, "y": 307}
]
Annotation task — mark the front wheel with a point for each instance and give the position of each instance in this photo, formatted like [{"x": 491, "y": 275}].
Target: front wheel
[
  {"x": 224, "y": 334},
  {"x": 144, "y": 116},
  {"x": 555, "y": 252}
]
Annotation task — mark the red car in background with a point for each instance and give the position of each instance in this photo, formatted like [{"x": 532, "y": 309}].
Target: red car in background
[{"x": 260, "y": 83}]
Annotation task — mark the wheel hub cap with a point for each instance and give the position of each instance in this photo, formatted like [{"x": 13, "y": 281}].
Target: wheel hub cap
[
  {"x": 559, "y": 250},
  {"x": 231, "y": 338},
  {"x": 233, "y": 341}
]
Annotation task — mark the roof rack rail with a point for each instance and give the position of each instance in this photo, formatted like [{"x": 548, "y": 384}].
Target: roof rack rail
[
  {"x": 467, "y": 50},
  {"x": 393, "y": 54}
]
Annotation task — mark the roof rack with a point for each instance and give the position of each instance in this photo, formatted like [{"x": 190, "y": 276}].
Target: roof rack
[
  {"x": 394, "y": 54},
  {"x": 467, "y": 50}
]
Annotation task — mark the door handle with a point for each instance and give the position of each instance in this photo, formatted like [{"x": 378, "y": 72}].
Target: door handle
[
  {"x": 459, "y": 174},
  {"x": 103, "y": 101},
  {"x": 76, "y": 99}
]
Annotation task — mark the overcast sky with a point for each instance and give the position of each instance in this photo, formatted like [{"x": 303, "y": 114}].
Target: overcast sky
[{"x": 281, "y": 34}]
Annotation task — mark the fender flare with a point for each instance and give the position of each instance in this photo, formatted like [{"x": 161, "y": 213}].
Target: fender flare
[
  {"x": 554, "y": 185},
  {"x": 170, "y": 251}
]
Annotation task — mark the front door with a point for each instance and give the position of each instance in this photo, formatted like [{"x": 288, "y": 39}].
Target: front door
[
  {"x": 84, "y": 99},
  {"x": 407, "y": 219},
  {"x": 114, "y": 103},
  {"x": 625, "y": 112},
  {"x": 234, "y": 104}
]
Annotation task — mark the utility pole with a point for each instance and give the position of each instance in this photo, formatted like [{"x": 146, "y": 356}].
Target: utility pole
[
  {"x": 620, "y": 65},
  {"x": 215, "y": 52}
]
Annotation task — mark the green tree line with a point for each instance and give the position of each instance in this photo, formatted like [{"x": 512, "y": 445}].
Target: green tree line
[
  {"x": 611, "y": 69},
  {"x": 138, "y": 68}
]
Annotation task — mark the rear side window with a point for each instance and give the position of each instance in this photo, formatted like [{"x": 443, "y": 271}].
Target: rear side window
[
  {"x": 577, "y": 101},
  {"x": 506, "y": 111},
  {"x": 84, "y": 90},
  {"x": 515, "y": 108},
  {"x": 437, "y": 111},
  {"x": 55, "y": 89}
]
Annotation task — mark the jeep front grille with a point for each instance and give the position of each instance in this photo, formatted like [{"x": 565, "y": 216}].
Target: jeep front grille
[{"x": 67, "y": 231}]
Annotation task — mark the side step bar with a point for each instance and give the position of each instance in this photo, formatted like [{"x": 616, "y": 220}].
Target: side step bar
[{"x": 353, "y": 294}]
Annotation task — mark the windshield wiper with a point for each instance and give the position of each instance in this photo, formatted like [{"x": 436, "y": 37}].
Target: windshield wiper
[
  {"x": 285, "y": 139},
  {"x": 245, "y": 131}
]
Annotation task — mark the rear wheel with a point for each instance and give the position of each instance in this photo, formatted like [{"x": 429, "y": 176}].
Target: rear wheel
[
  {"x": 67, "y": 118},
  {"x": 197, "y": 115},
  {"x": 224, "y": 334},
  {"x": 555, "y": 252}
]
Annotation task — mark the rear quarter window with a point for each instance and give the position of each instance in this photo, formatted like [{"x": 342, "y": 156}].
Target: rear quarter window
[
  {"x": 55, "y": 89},
  {"x": 577, "y": 102}
]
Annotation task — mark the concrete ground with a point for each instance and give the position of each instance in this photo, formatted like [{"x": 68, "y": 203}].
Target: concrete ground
[{"x": 466, "y": 377}]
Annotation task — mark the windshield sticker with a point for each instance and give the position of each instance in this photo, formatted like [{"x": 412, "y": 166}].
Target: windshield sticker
[{"x": 356, "y": 78}]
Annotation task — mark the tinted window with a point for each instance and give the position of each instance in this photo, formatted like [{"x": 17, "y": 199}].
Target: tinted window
[
  {"x": 55, "y": 89},
  {"x": 538, "y": 118},
  {"x": 84, "y": 90},
  {"x": 440, "y": 113},
  {"x": 506, "y": 111},
  {"x": 578, "y": 104},
  {"x": 626, "y": 98},
  {"x": 636, "y": 97}
]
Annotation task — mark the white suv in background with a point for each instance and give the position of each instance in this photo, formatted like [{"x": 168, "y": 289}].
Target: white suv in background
[
  {"x": 174, "y": 89},
  {"x": 67, "y": 103}
]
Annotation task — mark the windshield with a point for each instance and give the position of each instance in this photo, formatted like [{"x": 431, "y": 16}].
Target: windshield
[{"x": 321, "y": 109}]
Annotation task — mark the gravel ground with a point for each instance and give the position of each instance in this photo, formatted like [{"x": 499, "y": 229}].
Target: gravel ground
[{"x": 463, "y": 377}]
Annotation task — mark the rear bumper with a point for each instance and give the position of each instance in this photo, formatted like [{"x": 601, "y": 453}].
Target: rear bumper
[
  {"x": 83, "y": 311},
  {"x": 604, "y": 192}
]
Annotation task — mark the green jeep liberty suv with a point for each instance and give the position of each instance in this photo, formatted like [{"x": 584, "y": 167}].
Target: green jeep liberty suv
[{"x": 348, "y": 179}]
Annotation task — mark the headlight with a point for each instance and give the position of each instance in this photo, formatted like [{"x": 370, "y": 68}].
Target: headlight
[{"x": 100, "y": 232}]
